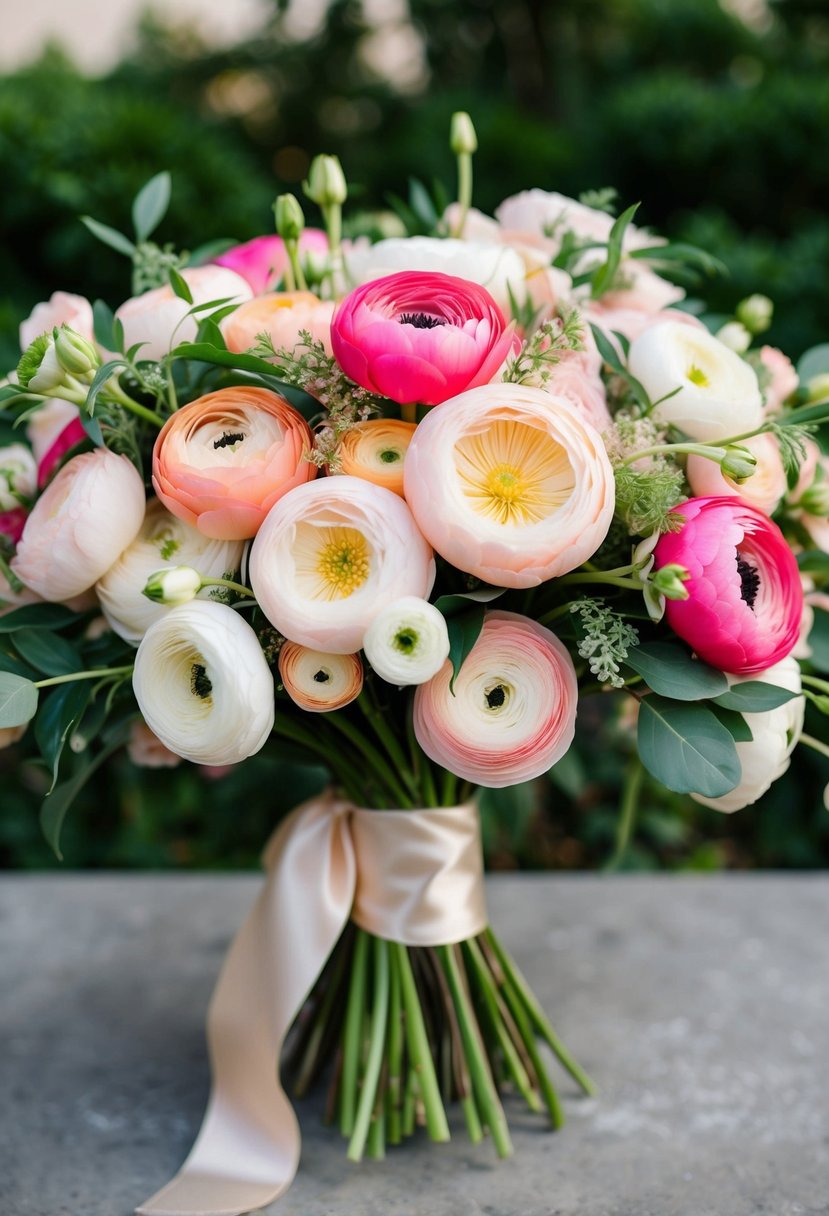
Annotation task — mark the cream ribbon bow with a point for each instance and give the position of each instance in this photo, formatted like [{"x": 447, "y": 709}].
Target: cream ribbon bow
[{"x": 414, "y": 877}]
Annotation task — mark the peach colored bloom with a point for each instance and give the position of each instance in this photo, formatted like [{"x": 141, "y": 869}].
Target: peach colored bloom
[
  {"x": 784, "y": 379},
  {"x": 146, "y": 750},
  {"x": 319, "y": 682},
  {"x": 9, "y": 735},
  {"x": 159, "y": 318},
  {"x": 375, "y": 450},
  {"x": 513, "y": 712},
  {"x": 221, "y": 462},
  {"x": 331, "y": 555},
  {"x": 281, "y": 315},
  {"x": 62, "y": 308},
  {"x": 80, "y": 525},
  {"x": 764, "y": 489},
  {"x": 510, "y": 483}
]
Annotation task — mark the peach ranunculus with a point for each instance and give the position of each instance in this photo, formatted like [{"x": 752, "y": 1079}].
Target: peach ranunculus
[
  {"x": 282, "y": 315},
  {"x": 510, "y": 484},
  {"x": 159, "y": 319},
  {"x": 146, "y": 750},
  {"x": 783, "y": 379},
  {"x": 62, "y": 308},
  {"x": 512, "y": 714},
  {"x": 764, "y": 489},
  {"x": 80, "y": 525},
  {"x": 331, "y": 555},
  {"x": 376, "y": 450},
  {"x": 221, "y": 462},
  {"x": 263, "y": 261},
  {"x": 317, "y": 682}
]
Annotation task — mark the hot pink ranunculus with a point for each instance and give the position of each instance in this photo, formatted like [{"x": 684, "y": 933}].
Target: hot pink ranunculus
[
  {"x": 745, "y": 599},
  {"x": 262, "y": 262},
  {"x": 420, "y": 337},
  {"x": 512, "y": 713}
]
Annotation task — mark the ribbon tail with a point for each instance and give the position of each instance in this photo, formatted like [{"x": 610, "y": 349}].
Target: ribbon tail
[{"x": 247, "y": 1151}]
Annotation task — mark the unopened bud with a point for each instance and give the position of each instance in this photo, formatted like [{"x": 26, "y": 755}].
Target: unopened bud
[
  {"x": 462, "y": 137},
  {"x": 174, "y": 585},
  {"x": 74, "y": 353},
  {"x": 290, "y": 220},
  {"x": 815, "y": 500},
  {"x": 326, "y": 185},
  {"x": 669, "y": 581},
  {"x": 818, "y": 387},
  {"x": 738, "y": 463},
  {"x": 755, "y": 312},
  {"x": 735, "y": 336},
  {"x": 654, "y": 602}
]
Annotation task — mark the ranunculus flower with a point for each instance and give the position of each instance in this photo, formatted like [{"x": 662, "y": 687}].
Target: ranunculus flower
[
  {"x": 160, "y": 319},
  {"x": 774, "y": 737},
  {"x": 62, "y": 308},
  {"x": 164, "y": 541},
  {"x": 513, "y": 712},
  {"x": 407, "y": 642},
  {"x": 631, "y": 322},
  {"x": 744, "y": 600},
  {"x": 492, "y": 265},
  {"x": 71, "y": 436},
  {"x": 18, "y": 476},
  {"x": 376, "y": 450},
  {"x": 221, "y": 462},
  {"x": 262, "y": 262},
  {"x": 783, "y": 378},
  {"x": 45, "y": 426},
  {"x": 417, "y": 337},
  {"x": 574, "y": 379},
  {"x": 80, "y": 525},
  {"x": 718, "y": 391},
  {"x": 510, "y": 484},
  {"x": 546, "y": 217},
  {"x": 281, "y": 315},
  {"x": 202, "y": 684},
  {"x": 331, "y": 555},
  {"x": 146, "y": 749},
  {"x": 764, "y": 489},
  {"x": 317, "y": 682}
]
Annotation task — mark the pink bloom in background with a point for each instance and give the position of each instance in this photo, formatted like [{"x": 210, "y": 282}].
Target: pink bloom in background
[
  {"x": 262, "y": 262},
  {"x": 12, "y": 523},
  {"x": 46, "y": 423},
  {"x": 764, "y": 489},
  {"x": 420, "y": 337},
  {"x": 69, "y": 437},
  {"x": 573, "y": 379},
  {"x": 513, "y": 712},
  {"x": 146, "y": 750},
  {"x": 784, "y": 378},
  {"x": 745, "y": 598},
  {"x": 159, "y": 319},
  {"x": 62, "y": 308},
  {"x": 80, "y": 525},
  {"x": 281, "y": 315},
  {"x": 221, "y": 462}
]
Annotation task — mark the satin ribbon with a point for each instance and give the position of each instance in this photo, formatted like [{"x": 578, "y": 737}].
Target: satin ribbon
[{"x": 414, "y": 877}]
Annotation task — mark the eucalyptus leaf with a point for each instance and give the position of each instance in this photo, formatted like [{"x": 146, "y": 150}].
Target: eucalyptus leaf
[
  {"x": 451, "y": 605},
  {"x": 109, "y": 236},
  {"x": 754, "y": 697},
  {"x": 18, "y": 699},
  {"x": 687, "y": 748},
  {"x": 734, "y": 723},
  {"x": 150, "y": 205},
  {"x": 38, "y": 616},
  {"x": 103, "y": 320},
  {"x": 56, "y": 804},
  {"x": 47, "y": 652},
  {"x": 813, "y": 362},
  {"x": 179, "y": 285},
  {"x": 669, "y": 670},
  {"x": 464, "y": 631},
  {"x": 59, "y": 713}
]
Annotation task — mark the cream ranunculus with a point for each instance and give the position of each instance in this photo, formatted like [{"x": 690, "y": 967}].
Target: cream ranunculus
[
  {"x": 18, "y": 476},
  {"x": 160, "y": 319},
  {"x": 202, "y": 684},
  {"x": 774, "y": 737},
  {"x": 330, "y": 555},
  {"x": 408, "y": 642},
  {"x": 163, "y": 542},
  {"x": 509, "y": 483},
  {"x": 765, "y": 487},
  {"x": 718, "y": 392},
  {"x": 317, "y": 682}
]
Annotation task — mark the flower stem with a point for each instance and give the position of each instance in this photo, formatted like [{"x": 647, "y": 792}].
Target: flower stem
[
  {"x": 84, "y": 675},
  {"x": 370, "y": 753},
  {"x": 388, "y": 739},
  {"x": 419, "y": 1051},
  {"x": 394, "y": 1098},
  {"x": 230, "y": 584},
  {"x": 628, "y": 806},
  {"x": 600, "y": 576},
  {"x": 464, "y": 191},
  {"x": 815, "y": 744},
  {"x": 353, "y": 1034},
  {"x": 408, "y": 411},
  {"x": 377, "y": 1039},
  {"x": 120, "y": 397}
]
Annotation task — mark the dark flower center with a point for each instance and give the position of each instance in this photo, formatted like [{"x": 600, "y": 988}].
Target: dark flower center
[
  {"x": 227, "y": 439},
  {"x": 420, "y": 320},
  {"x": 749, "y": 581},
  {"x": 322, "y": 676},
  {"x": 496, "y": 696},
  {"x": 200, "y": 684}
]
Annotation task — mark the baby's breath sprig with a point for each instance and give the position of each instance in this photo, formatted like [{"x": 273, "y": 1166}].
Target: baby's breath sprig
[
  {"x": 648, "y": 490},
  {"x": 606, "y": 639},
  {"x": 544, "y": 349}
]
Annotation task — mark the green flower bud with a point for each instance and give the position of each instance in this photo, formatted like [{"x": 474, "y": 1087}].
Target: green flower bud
[
  {"x": 654, "y": 602},
  {"x": 818, "y": 387},
  {"x": 38, "y": 369},
  {"x": 815, "y": 500},
  {"x": 290, "y": 221},
  {"x": 755, "y": 312},
  {"x": 669, "y": 580},
  {"x": 173, "y": 585},
  {"x": 326, "y": 185},
  {"x": 462, "y": 137},
  {"x": 74, "y": 353},
  {"x": 738, "y": 463}
]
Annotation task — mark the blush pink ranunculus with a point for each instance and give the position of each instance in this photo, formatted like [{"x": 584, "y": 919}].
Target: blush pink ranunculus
[
  {"x": 745, "y": 599},
  {"x": 420, "y": 337},
  {"x": 263, "y": 261},
  {"x": 512, "y": 714},
  {"x": 221, "y": 462},
  {"x": 159, "y": 319},
  {"x": 62, "y": 308},
  {"x": 282, "y": 315},
  {"x": 783, "y": 378},
  {"x": 764, "y": 489},
  {"x": 80, "y": 525},
  {"x": 574, "y": 379},
  {"x": 73, "y": 434}
]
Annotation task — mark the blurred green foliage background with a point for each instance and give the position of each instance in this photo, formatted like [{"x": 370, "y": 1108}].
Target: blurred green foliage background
[{"x": 714, "y": 115}]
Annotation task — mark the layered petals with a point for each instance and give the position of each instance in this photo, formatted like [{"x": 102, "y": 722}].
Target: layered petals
[
  {"x": 376, "y": 450},
  {"x": 407, "y": 642},
  {"x": 159, "y": 319},
  {"x": 62, "y": 308},
  {"x": 317, "y": 682},
  {"x": 282, "y": 315}
]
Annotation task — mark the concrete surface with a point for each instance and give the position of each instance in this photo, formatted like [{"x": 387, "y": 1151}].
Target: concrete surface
[{"x": 700, "y": 1005}]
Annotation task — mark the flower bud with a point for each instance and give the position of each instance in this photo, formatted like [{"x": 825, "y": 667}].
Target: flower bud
[
  {"x": 18, "y": 476},
  {"x": 738, "y": 463},
  {"x": 173, "y": 585},
  {"x": 818, "y": 387},
  {"x": 462, "y": 137},
  {"x": 654, "y": 602},
  {"x": 38, "y": 369},
  {"x": 668, "y": 581},
  {"x": 74, "y": 353},
  {"x": 735, "y": 336},
  {"x": 290, "y": 221},
  {"x": 326, "y": 184},
  {"x": 755, "y": 313},
  {"x": 815, "y": 501}
]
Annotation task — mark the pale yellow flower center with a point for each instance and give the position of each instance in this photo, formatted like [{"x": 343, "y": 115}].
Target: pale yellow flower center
[
  {"x": 514, "y": 473},
  {"x": 697, "y": 376},
  {"x": 331, "y": 562}
]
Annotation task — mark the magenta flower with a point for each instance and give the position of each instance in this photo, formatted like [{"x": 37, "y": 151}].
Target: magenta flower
[
  {"x": 420, "y": 337},
  {"x": 262, "y": 262},
  {"x": 745, "y": 599}
]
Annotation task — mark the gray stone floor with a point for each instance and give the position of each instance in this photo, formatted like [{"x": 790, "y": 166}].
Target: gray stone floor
[{"x": 700, "y": 1005}]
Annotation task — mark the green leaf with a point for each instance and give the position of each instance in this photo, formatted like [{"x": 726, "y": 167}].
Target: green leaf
[
  {"x": 38, "y": 616},
  {"x": 179, "y": 285},
  {"x": 734, "y": 723},
  {"x": 813, "y": 561},
  {"x": 10, "y": 662},
  {"x": 109, "y": 236},
  {"x": 150, "y": 205},
  {"x": 103, "y": 319},
  {"x": 60, "y": 711},
  {"x": 813, "y": 362},
  {"x": 464, "y": 631},
  {"x": 209, "y": 332},
  {"x": 56, "y": 804},
  {"x": 754, "y": 697},
  {"x": 265, "y": 372},
  {"x": 603, "y": 276},
  {"x": 47, "y": 652},
  {"x": 569, "y": 775},
  {"x": 610, "y": 355},
  {"x": 93, "y": 429},
  {"x": 18, "y": 699},
  {"x": 677, "y": 252},
  {"x": 451, "y": 605},
  {"x": 686, "y": 748},
  {"x": 818, "y": 640},
  {"x": 669, "y": 670},
  {"x": 421, "y": 203},
  {"x": 103, "y": 375}
]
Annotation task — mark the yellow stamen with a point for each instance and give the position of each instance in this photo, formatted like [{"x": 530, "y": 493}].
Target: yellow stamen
[
  {"x": 331, "y": 563},
  {"x": 514, "y": 473},
  {"x": 697, "y": 376}
]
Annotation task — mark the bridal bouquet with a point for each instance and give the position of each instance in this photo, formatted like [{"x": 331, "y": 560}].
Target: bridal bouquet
[{"x": 398, "y": 507}]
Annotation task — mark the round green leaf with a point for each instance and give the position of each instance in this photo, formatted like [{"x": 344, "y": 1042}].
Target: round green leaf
[
  {"x": 687, "y": 748},
  {"x": 669, "y": 670},
  {"x": 18, "y": 699},
  {"x": 755, "y": 697}
]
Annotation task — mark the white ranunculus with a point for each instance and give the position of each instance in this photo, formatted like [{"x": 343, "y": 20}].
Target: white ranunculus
[
  {"x": 408, "y": 642},
  {"x": 163, "y": 542},
  {"x": 774, "y": 737},
  {"x": 203, "y": 685},
  {"x": 496, "y": 267},
  {"x": 160, "y": 319},
  {"x": 718, "y": 391},
  {"x": 18, "y": 475}
]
